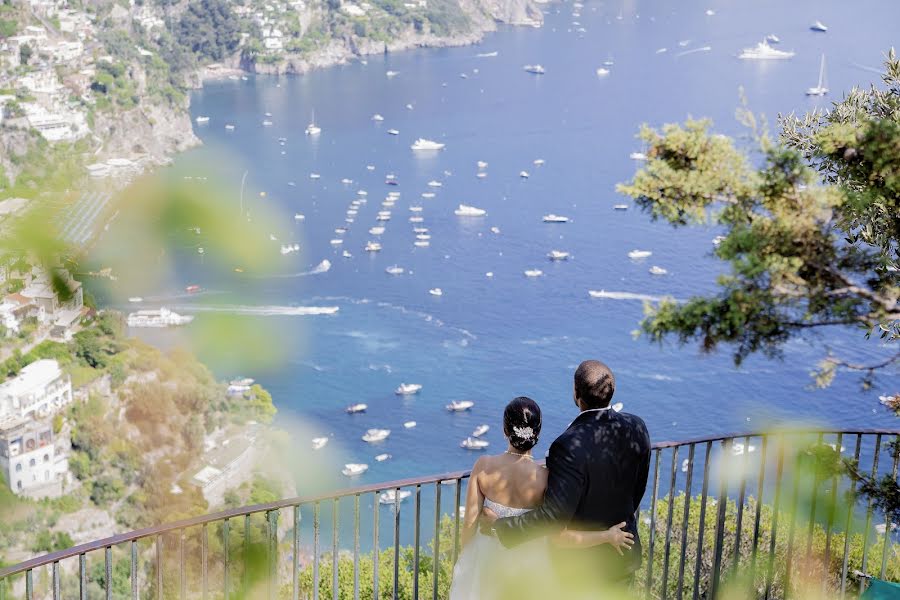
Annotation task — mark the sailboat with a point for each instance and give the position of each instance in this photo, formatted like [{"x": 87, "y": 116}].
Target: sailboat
[
  {"x": 312, "y": 128},
  {"x": 819, "y": 89}
]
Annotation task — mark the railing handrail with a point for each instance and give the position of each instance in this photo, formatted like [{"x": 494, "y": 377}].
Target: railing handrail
[{"x": 242, "y": 511}]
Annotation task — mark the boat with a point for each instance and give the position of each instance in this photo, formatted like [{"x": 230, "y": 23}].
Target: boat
[
  {"x": 436, "y": 292},
  {"x": 558, "y": 255},
  {"x": 718, "y": 240},
  {"x": 319, "y": 443},
  {"x": 314, "y": 176},
  {"x": 654, "y": 270},
  {"x": 393, "y": 132},
  {"x": 538, "y": 162},
  {"x": 383, "y": 217},
  {"x": 763, "y": 51},
  {"x": 820, "y": 89},
  {"x": 415, "y": 209},
  {"x": 620, "y": 207},
  {"x": 392, "y": 74},
  {"x": 434, "y": 183},
  {"x": 362, "y": 193},
  {"x": 337, "y": 242},
  {"x": 376, "y": 435},
  {"x": 535, "y": 69},
  {"x": 524, "y": 174},
  {"x": 409, "y": 107},
  {"x": 819, "y": 26},
  {"x": 393, "y": 496},
  {"x": 710, "y": 12},
  {"x": 425, "y": 144},
  {"x": 416, "y": 219},
  {"x": 376, "y": 230},
  {"x": 135, "y": 299},
  {"x": 356, "y": 408},
  {"x": 423, "y": 236},
  {"x": 738, "y": 448},
  {"x": 395, "y": 270},
  {"x": 773, "y": 39},
  {"x": 377, "y": 117},
  {"x": 354, "y": 469},
  {"x": 552, "y": 218},
  {"x": 382, "y": 457},
  {"x": 481, "y": 164},
  {"x": 346, "y": 254},
  {"x": 420, "y": 229},
  {"x": 487, "y": 54},
  {"x": 312, "y": 128},
  {"x": 161, "y": 317},
  {"x": 373, "y": 247},
  {"x": 192, "y": 289},
  {"x": 602, "y": 72},
  {"x": 391, "y": 180},
  {"x": 340, "y": 230},
  {"x": 409, "y": 424},
  {"x": 474, "y": 444},
  {"x": 202, "y": 120},
  {"x": 229, "y": 127},
  {"x": 421, "y": 243},
  {"x": 533, "y": 273},
  {"x": 465, "y": 210},
  {"x": 637, "y": 156},
  {"x": 408, "y": 389},
  {"x": 639, "y": 254},
  {"x": 460, "y": 405},
  {"x": 481, "y": 430},
  {"x": 346, "y": 181}
]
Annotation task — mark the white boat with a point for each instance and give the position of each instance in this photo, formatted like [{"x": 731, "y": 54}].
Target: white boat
[
  {"x": 340, "y": 230},
  {"x": 891, "y": 402},
  {"x": 558, "y": 255},
  {"x": 202, "y": 120},
  {"x": 538, "y": 162},
  {"x": 337, "y": 242},
  {"x": 487, "y": 54},
  {"x": 376, "y": 435},
  {"x": 312, "y": 128},
  {"x": 718, "y": 240},
  {"x": 535, "y": 69},
  {"x": 821, "y": 87},
  {"x": 524, "y": 174},
  {"x": 346, "y": 254},
  {"x": 229, "y": 127},
  {"x": 408, "y": 389},
  {"x": 738, "y": 448},
  {"x": 551, "y": 218},
  {"x": 356, "y": 408},
  {"x": 319, "y": 443},
  {"x": 424, "y": 144},
  {"x": 299, "y": 217},
  {"x": 639, "y": 254},
  {"x": 481, "y": 430},
  {"x": 315, "y": 176},
  {"x": 421, "y": 243},
  {"x": 495, "y": 229},
  {"x": 620, "y": 207},
  {"x": 436, "y": 292},
  {"x": 602, "y": 72},
  {"x": 409, "y": 107},
  {"x": 465, "y": 210},
  {"x": 460, "y": 405},
  {"x": 373, "y": 247},
  {"x": 474, "y": 444},
  {"x": 395, "y": 270},
  {"x": 354, "y": 469},
  {"x": 435, "y": 183},
  {"x": 346, "y": 181},
  {"x": 415, "y": 209},
  {"x": 377, "y": 117},
  {"x": 383, "y": 217},
  {"x": 637, "y": 156},
  {"x": 481, "y": 164},
  {"x": 376, "y": 230},
  {"x": 654, "y": 270},
  {"x": 393, "y": 132},
  {"x": 392, "y": 74},
  {"x": 423, "y": 236},
  {"x": 409, "y": 424},
  {"x": 382, "y": 457},
  {"x": 362, "y": 193},
  {"x": 393, "y": 496},
  {"x": 135, "y": 299},
  {"x": 162, "y": 317},
  {"x": 420, "y": 229},
  {"x": 773, "y": 39},
  {"x": 267, "y": 123},
  {"x": 416, "y": 219},
  {"x": 819, "y": 26},
  {"x": 763, "y": 51},
  {"x": 481, "y": 175},
  {"x": 428, "y": 195},
  {"x": 533, "y": 273}
]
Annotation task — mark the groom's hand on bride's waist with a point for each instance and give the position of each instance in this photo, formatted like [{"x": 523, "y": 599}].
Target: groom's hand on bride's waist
[{"x": 486, "y": 522}]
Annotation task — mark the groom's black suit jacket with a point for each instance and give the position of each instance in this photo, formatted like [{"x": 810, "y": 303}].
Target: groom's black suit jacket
[{"x": 598, "y": 474}]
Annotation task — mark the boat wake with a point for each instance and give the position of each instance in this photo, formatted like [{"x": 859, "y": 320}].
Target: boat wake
[
  {"x": 260, "y": 311},
  {"x": 626, "y": 296},
  {"x": 693, "y": 51},
  {"x": 322, "y": 267}
]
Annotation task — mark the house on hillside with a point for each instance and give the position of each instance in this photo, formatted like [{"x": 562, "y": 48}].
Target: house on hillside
[
  {"x": 40, "y": 390},
  {"x": 32, "y": 461}
]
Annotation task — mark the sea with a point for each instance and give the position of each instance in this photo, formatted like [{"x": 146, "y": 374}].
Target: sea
[{"x": 495, "y": 333}]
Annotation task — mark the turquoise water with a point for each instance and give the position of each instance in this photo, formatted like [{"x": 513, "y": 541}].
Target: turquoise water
[{"x": 488, "y": 339}]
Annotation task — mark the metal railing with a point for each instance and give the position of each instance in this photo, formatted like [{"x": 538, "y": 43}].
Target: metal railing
[{"x": 758, "y": 516}]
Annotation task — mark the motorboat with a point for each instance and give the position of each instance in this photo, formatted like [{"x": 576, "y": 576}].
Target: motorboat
[
  {"x": 354, "y": 469},
  {"x": 474, "y": 444},
  {"x": 558, "y": 255},
  {"x": 393, "y": 496},
  {"x": 408, "y": 389},
  {"x": 373, "y": 247},
  {"x": 654, "y": 270},
  {"x": 393, "y": 132},
  {"x": 315, "y": 176},
  {"x": 495, "y": 229},
  {"x": 820, "y": 88},
  {"x": 524, "y": 174},
  {"x": 481, "y": 164},
  {"x": 362, "y": 193},
  {"x": 376, "y": 230},
  {"x": 818, "y": 26},
  {"x": 337, "y": 242},
  {"x": 535, "y": 69},
  {"x": 718, "y": 240},
  {"x": 415, "y": 209},
  {"x": 620, "y": 207},
  {"x": 340, "y": 230},
  {"x": 460, "y": 405},
  {"x": 416, "y": 219},
  {"x": 192, "y": 289},
  {"x": 533, "y": 273},
  {"x": 346, "y": 254},
  {"x": 435, "y": 183},
  {"x": 421, "y": 243},
  {"x": 637, "y": 156},
  {"x": 552, "y": 218},
  {"x": 135, "y": 299},
  {"x": 428, "y": 195},
  {"x": 391, "y": 74},
  {"x": 161, "y": 317},
  {"x": 423, "y": 236},
  {"x": 425, "y": 144},
  {"x": 383, "y": 218},
  {"x": 639, "y": 254},
  {"x": 409, "y": 107},
  {"x": 481, "y": 175},
  {"x": 738, "y": 448},
  {"x": 773, "y": 39},
  {"x": 377, "y": 117},
  {"x": 267, "y": 123},
  {"x": 313, "y": 129},
  {"x": 299, "y": 217},
  {"x": 319, "y": 443},
  {"x": 538, "y": 162},
  {"x": 481, "y": 430},
  {"x": 376, "y": 435},
  {"x": 356, "y": 408},
  {"x": 382, "y": 457},
  {"x": 763, "y": 51},
  {"x": 346, "y": 181},
  {"x": 602, "y": 72},
  {"x": 465, "y": 210},
  {"x": 436, "y": 292},
  {"x": 229, "y": 127},
  {"x": 420, "y": 229},
  {"x": 409, "y": 424},
  {"x": 202, "y": 120}
]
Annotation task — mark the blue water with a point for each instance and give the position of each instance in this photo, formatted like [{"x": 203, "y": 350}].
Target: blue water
[{"x": 490, "y": 339}]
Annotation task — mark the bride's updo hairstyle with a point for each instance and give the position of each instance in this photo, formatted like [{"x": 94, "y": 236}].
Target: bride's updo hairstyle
[{"x": 522, "y": 423}]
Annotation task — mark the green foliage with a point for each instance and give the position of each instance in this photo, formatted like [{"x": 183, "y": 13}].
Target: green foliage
[
  {"x": 209, "y": 29},
  {"x": 45, "y": 541},
  {"x": 8, "y": 28},
  {"x": 25, "y": 53},
  {"x": 115, "y": 86}
]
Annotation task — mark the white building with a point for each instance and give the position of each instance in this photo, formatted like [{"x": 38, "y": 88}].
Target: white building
[
  {"x": 31, "y": 463},
  {"x": 39, "y": 390}
]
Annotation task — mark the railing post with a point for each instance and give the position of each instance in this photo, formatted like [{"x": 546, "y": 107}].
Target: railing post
[
  {"x": 316, "y": 551},
  {"x": 666, "y": 550},
  {"x": 456, "y": 520},
  {"x": 792, "y": 514},
  {"x": 721, "y": 505},
  {"x": 437, "y": 540},
  {"x": 82, "y": 577},
  {"x": 134, "y": 570},
  {"x": 204, "y": 561},
  {"x": 335, "y": 567},
  {"x": 702, "y": 529},
  {"x": 107, "y": 563},
  {"x": 356, "y": 547},
  {"x": 888, "y": 525},
  {"x": 159, "y": 568},
  {"x": 182, "y": 577},
  {"x": 245, "y": 580},
  {"x": 416, "y": 534},
  {"x": 868, "y": 530},
  {"x": 685, "y": 520},
  {"x": 770, "y": 565},
  {"x": 396, "y": 587},
  {"x": 226, "y": 558},
  {"x": 739, "y": 519},
  {"x": 375, "y": 546},
  {"x": 850, "y": 505},
  {"x": 757, "y": 517},
  {"x": 56, "y": 582},
  {"x": 29, "y": 585},
  {"x": 295, "y": 551},
  {"x": 832, "y": 510},
  {"x": 272, "y": 553},
  {"x": 649, "y": 585}
]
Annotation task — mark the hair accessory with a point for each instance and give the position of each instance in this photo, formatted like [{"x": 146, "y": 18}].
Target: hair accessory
[{"x": 525, "y": 433}]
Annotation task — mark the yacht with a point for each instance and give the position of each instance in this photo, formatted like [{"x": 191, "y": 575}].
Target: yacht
[
  {"x": 535, "y": 69},
  {"x": 370, "y": 167},
  {"x": 395, "y": 270},
  {"x": 408, "y": 389},
  {"x": 424, "y": 144},
  {"x": 415, "y": 209},
  {"x": 718, "y": 240},
  {"x": 474, "y": 444},
  {"x": 819, "y": 26},
  {"x": 362, "y": 193},
  {"x": 315, "y": 176},
  {"x": 436, "y": 292},
  {"x": 416, "y": 219},
  {"x": 373, "y": 247},
  {"x": 551, "y": 218},
  {"x": 654, "y": 270},
  {"x": 533, "y": 273},
  {"x": 481, "y": 430},
  {"x": 524, "y": 174},
  {"x": 481, "y": 164},
  {"x": 376, "y": 230},
  {"x": 229, "y": 127},
  {"x": 409, "y": 424},
  {"x": 386, "y": 217},
  {"x": 392, "y": 73},
  {"x": 420, "y": 229},
  {"x": 558, "y": 255},
  {"x": 620, "y": 207},
  {"x": 135, "y": 299},
  {"x": 393, "y": 496},
  {"x": 428, "y": 194},
  {"x": 763, "y": 51},
  {"x": 460, "y": 405},
  {"x": 357, "y": 408},
  {"x": 423, "y": 236},
  {"x": 377, "y": 117},
  {"x": 312, "y": 128},
  {"x": 337, "y": 242},
  {"x": 267, "y": 123},
  {"x": 773, "y": 39},
  {"x": 538, "y": 162},
  {"x": 376, "y": 435},
  {"x": 202, "y": 120},
  {"x": 820, "y": 89},
  {"x": 639, "y": 254},
  {"x": 391, "y": 180},
  {"x": 481, "y": 175},
  {"x": 382, "y": 457},
  {"x": 393, "y": 132},
  {"x": 340, "y": 230},
  {"x": 354, "y": 469},
  {"x": 346, "y": 181},
  {"x": 346, "y": 254},
  {"x": 602, "y": 72},
  {"x": 465, "y": 210},
  {"x": 435, "y": 183},
  {"x": 637, "y": 156},
  {"x": 421, "y": 243},
  {"x": 495, "y": 229},
  {"x": 162, "y": 317},
  {"x": 319, "y": 443}
]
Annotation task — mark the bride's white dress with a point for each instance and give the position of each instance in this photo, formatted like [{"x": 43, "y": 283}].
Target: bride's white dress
[{"x": 486, "y": 570}]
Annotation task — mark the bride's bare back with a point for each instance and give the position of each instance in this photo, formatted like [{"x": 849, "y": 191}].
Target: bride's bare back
[{"x": 510, "y": 479}]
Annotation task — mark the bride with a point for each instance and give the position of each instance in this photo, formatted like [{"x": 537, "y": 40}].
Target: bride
[{"x": 511, "y": 484}]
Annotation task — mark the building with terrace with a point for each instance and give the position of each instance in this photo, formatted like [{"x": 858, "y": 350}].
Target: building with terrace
[
  {"x": 31, "y": 461},
  {"x": 40, "y": 390}
]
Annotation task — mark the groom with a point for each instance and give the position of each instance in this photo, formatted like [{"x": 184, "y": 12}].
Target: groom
[{"x": 598, "y": 475}]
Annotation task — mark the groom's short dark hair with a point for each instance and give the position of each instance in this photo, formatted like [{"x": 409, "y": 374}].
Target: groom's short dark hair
[{"x": 594, "y": 384}]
